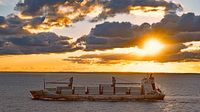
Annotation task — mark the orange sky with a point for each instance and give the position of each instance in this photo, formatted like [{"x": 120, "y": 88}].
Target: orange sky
[{"x": 56, "y": 62}]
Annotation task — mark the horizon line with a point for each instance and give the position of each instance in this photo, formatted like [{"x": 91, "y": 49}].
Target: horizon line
[{"x": 98, "y": 72}]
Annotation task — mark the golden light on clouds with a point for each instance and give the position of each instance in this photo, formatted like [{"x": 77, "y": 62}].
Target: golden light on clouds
[
  {"x": 147, "y": 11},
  {"x": 170, "y": 67},
  {"x": 63, "y": 9},
  {"x": 64, "y": 16},
  {"x": 54, "y": 63},
  {"x": 37, "y": 29},
  {"x": 47, "y": 26},
  {"x": 150, "y": 47},
  {"x": 3, "y": 26},
  {"x": 192, "y": 47},
  {"x": 95, "y": 11},
  {"x": 21, "y": 16},
  {"x": 147, "y": 8}
]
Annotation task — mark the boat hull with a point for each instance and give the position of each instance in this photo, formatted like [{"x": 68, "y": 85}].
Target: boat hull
[{"x": 41, "y": 95}]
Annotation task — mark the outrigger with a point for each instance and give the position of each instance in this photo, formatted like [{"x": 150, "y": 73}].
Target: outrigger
[{"x": 116, "y": 91}]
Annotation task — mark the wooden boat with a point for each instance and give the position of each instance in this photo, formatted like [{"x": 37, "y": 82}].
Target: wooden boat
[{"x": 116, "y": 91}]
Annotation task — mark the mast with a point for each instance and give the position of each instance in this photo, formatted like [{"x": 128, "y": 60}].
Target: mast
[
  {"x": 113, "y": 84},
  {"x": 44, "y": 83},
  {"x": 70, "y": 82}
]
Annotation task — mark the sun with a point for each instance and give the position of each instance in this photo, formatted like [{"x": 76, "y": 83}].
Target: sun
[{"x": 152, "y": 47}]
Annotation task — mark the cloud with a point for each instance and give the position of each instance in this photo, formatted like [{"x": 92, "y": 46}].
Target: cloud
[
  {"x": 123, "y": 58},
  {"x": 57, "y": 13},
  {"x": 114, "y": 29},
  {"x": 110, "y": 35},
  {"x": 37, "y": 21},
  {"x": 188, "y": 22},
  {"x": 172, "y": 28},
  {"x": 61, "y": 13},
  {"x": 125, "y": 6},
  {"x": 14, "y": 39},
  {"x": 168, "y": 54},
  {"x": 1, "y": 2},
  {"x": 103, "y": 58},
  {"x": 185, "y": 28},
  {"x": 12, "y": 24},
  {"x": 16, "y": 36},
  {"x": 35, "y": 44},
  {"x": 2, "y": 20},
  {"x": 35, "y": 7},
  {"x": 172, "y": 55},
  {"x": 187, "y": 36},
  {"x": 184, "y": 57},
  {"x": 177, "y": 30},
  {"x": 104, "y": 36}
]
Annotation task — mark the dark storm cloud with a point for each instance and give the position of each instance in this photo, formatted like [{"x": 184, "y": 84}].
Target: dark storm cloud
[{"x": 35, "y": 43}]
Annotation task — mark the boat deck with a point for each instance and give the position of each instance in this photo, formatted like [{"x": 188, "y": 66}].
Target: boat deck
[{"x": 101, "y": 97}]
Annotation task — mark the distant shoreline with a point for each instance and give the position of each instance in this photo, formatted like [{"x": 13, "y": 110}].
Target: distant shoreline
[{"x": 121, "y": 73}]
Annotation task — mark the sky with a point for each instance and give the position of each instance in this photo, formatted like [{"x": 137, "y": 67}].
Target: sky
[{"x": 100, "y": 36}]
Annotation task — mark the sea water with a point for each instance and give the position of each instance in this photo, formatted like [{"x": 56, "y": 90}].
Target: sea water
[{"x": 182, "y": 93}]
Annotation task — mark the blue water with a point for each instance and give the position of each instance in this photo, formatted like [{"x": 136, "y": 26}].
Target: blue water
[{"x": 182, "y": 93}]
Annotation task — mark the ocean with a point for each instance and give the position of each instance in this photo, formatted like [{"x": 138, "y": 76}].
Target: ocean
[{"x": 182, "y": 93}]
